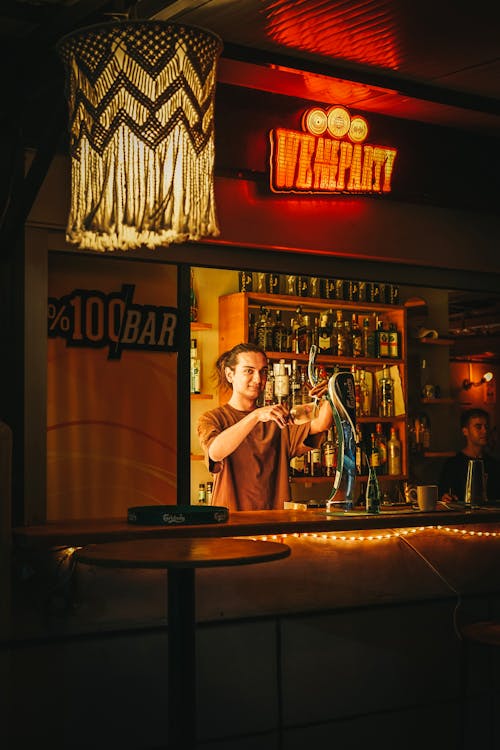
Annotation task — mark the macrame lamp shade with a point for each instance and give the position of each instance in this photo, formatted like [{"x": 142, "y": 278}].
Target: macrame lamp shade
[{"x": 141, "y": 107}]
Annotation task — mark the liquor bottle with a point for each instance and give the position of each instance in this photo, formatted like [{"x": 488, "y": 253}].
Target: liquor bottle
[
  {"x": 210, "y": 489},
  {"x": 305, "y": 334},
  {"x": 339, "y": 346},
  {"x": 281, "y": 383},
  {"x": 329, "y": 455},
  {"x": 356, "y": 337},
  {"x": 278, "y": 333},
  {"x": 386, "y": 394},
  {"x": 372, "y": 492},
  {"x": 269, "y": 397},
  {"x": 315, "y": 456},
  {"x": 287, "y": 336},
  {"x": 325, "y": 334},
  {"x": 264, "y": 330},
  {"x": 393, "y": 341},
  {"x": 304, "y": 395},
  {"x": 202, "y": 493},
  {"x": 382, "y": 340},
  {"x": 193, "y": 299},
  {"x": 303, "y": 286},
  {"x": 294, "y": 385},
  {"x": 374, "y": 454},
  {"x": 315, "y": 331},
  {"x": 360, "y": 464},
  {"x": 369, "y": 347},
  {"x": 393, "y": 454},
  {"x": 365, "y": 395},
  {"x": 347, "y": 339},
  {"x": 195, "y": 368},
  {"x": 245, "y": 281},
  {"x": 252, "y": 329},
  {"x": 381, "y": 441},
  {"x": 357, "y": 390}
]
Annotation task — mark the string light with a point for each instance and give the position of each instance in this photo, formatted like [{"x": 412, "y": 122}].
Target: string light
[{"x": 379, "y": 537}]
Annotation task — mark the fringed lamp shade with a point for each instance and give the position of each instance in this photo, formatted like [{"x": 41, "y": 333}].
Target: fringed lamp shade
[{"x": 141, "y": 103}]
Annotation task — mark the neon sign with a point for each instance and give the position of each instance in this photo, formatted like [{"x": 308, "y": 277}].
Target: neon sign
[{"x": 330, "y": 156}]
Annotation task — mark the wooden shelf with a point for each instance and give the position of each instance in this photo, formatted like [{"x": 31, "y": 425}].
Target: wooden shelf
[
  {"x": 201, "y": 326},
  {"x": 196, "y": 457},
  {"x": 439, "y": 454},
  {"x": 280, "y": 301},
  {"x": 437, "y": 400},
  {"x": 201, "y": 396},
  {"x": 333, "y": 360},
  {"x": 435, "y": 342}
]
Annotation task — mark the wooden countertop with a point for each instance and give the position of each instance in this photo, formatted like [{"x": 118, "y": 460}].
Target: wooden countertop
[{"x": 243, "y": 523}]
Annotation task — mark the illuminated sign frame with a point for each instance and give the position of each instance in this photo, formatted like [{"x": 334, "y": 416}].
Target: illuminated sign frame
[{"x": 329, "y": 156}]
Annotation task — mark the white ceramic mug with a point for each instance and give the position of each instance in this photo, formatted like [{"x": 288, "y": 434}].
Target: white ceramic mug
[{"x": 427, "y": 496}]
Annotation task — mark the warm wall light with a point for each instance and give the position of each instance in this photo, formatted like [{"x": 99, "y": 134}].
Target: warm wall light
[
  {"x": 141, "y": 102},
  {"x": 467, "y": 384}
]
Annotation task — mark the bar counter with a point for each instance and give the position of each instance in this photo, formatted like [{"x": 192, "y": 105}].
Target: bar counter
[{"x": 243, "y": 523}]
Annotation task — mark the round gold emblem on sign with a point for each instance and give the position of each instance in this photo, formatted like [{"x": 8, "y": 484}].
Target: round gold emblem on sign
[
  {"x": 315, "y": 121},
  {"x": 339, "y": 121},
  {"x": 358, "y": 130}
]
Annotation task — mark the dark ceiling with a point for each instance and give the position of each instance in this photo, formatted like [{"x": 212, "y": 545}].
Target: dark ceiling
[{"x": 432, "y": 62}]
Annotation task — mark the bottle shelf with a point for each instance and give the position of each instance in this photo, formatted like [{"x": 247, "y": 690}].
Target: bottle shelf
[
  {"x": 436, "y": 342},
  {"x": 384, "y": 420},
  {"x": 279, "y": 301},
  {"x": 439, "y": 454},
  {"x": 326, "y": 480},
  {"x": 334, "y": 360},
  {"x": 201, "y": 396},
  {"x": 196, "y": 456},
  {"x": 444, "y": 400},
  {"x": 201, "y": 326}
]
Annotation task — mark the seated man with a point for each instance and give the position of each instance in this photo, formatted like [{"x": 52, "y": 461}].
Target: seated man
[{"x": 474, "y": 424}]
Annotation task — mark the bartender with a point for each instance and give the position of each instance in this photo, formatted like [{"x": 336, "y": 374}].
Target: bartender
[
  {"x": 248, "y": 447},
  {"x": 475, "y": 426}
]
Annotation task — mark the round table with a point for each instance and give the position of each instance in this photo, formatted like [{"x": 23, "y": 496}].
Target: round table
[{"x": 181, "y": 557}]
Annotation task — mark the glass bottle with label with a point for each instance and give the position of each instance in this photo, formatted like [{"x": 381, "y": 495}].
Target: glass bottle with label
[
  {"x": 329, "y": 455},
  {"x": 195, "y": 368},
  {"x": 278, "y": 333},
  {"x": 325, "y": 334},
  {"x": 386, "y": 394},
  {"x": 365, "y": 395},
  {"x": 294, "y": 385},
  {"x": 339, "y": 345},
  {"x": 374, "y": 454},
  {"x": 382, "y": 340},
  {"x": 393, "y": 339},
  {"x": 369, "y": 344},
  {"x": 372, "y": 492},
  {"x": 193, "y": 302},
  {"x": 381, "y": 441},
  {"x": 315, "y": 456},
  {"x": 269, "y": 397},
  {"x": 356, "y": 337},
  {"x": 305, "y": 334},
  {"x": 304, "y": 396},
  {"x": 281, "y": 383},
  {"x": 264, "y": 331},
  {"x": 202, "y": 494},
  {"x": 393, "y": 454},
  {"x": 210, "y": 489}
]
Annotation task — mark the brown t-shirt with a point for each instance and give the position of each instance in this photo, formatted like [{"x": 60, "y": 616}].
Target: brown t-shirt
[{"x": 255, "y": 475}]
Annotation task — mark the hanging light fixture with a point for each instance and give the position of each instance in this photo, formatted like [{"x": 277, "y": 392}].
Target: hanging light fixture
[
  {"x": 141, "y": 105},
  {"x": 468, "y": 384}
]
